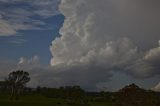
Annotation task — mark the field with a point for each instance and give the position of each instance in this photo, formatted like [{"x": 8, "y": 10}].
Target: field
[
  {"x": 38, "y": 100},
  {"x": 130, "y": 95}
]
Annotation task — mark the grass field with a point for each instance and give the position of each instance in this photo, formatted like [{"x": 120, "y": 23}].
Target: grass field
[{"x": 38, "y": 100}]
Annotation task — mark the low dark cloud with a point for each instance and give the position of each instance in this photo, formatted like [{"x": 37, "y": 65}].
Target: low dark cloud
[{"x": 88, "y": 76}]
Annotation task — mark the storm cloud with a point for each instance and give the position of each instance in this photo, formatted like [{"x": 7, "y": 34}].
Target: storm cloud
[{"x": 109, "y": 36}]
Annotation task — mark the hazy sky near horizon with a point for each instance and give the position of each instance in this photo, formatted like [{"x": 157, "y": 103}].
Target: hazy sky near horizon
[{"x": 95, "y": 44}]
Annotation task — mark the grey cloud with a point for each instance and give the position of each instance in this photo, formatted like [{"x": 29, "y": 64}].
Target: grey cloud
[
  {"x": 147, "y": 65},
  {"x": 6, "y": 28},
  {"x": 88, "y": 76},
  {"x": 156, "y": 88},
  {"x": 111, "y": 34}
]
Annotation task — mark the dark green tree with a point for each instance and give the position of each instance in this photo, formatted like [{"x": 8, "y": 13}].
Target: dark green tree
[{"x": 16, "y": 81}]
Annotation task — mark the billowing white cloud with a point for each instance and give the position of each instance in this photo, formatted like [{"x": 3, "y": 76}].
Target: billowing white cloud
[
  {"x": 84, "y": 31},
  {"x": 99, "y": 34},
  {"x": 28, "y": 64}
]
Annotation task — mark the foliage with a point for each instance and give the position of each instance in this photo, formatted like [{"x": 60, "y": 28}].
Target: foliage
[
  {"x": 68, "y": 92},
  {"x": 16, "y": 81},
  {"x": 130, "y": 95}
]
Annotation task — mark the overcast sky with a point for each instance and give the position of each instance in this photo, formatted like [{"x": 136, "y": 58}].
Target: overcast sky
[{"x": 99, "y": 45}]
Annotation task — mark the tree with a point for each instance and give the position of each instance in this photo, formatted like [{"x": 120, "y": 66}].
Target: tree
[{"x": 16, "y": 81}]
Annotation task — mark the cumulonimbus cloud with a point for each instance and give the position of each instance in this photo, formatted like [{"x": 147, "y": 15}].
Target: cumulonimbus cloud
[
  {"x": 106, "y": 37},
  {"x": 85, "y": 39}
]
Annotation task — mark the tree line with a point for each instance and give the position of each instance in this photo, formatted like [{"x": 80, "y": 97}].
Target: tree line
[{"x": 15, "y": 85}]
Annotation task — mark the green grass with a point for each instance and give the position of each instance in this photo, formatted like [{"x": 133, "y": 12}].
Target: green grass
[
  {"x": 101, "y": 104},
  {"x": 38, "y": 100}
]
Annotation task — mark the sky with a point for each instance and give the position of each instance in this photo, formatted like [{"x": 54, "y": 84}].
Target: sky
[{"x": 99, "y": 45}]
